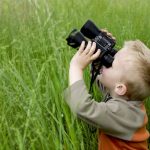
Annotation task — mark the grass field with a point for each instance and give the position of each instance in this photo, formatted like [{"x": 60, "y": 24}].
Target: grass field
[{"x": 34, "y": 61}]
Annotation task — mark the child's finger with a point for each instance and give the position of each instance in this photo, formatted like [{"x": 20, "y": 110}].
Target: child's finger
[
  {"x": 104, "y": 30},
  {"x": 92, "y": 50},
  {"x": 113, "y": 38},
  {"x": 88, "y": 47},
  {"x": 81, "y": 48},
  {"x": 96, "y": 55},
  {"x": 108, "y": 34}
]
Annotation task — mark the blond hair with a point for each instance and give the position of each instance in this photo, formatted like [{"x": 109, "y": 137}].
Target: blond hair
[{"x": 138, "y": 86}]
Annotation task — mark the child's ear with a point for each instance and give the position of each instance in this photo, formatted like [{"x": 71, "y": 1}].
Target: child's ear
[{"x": 120, "y": 89}]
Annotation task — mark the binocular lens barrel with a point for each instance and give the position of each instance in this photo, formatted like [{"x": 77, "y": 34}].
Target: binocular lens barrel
[
  {"x": 90, "y": 30},
  {"x": 75, "y": 38}
]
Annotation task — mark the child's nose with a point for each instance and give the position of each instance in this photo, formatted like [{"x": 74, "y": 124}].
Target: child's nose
[
  {"x": 103, "y": 67},
  {"x": 101, "y": 70}
]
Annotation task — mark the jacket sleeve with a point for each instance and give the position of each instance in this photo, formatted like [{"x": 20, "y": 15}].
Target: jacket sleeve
[
  {"x": 82, "y": 104},
  {"x": 110, "y": 117}
]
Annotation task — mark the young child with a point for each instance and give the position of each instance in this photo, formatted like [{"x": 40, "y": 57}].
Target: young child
[{"x": 122, "y": 119}]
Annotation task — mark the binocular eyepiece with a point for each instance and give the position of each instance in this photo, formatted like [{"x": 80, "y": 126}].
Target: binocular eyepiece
[{"x": 105, "y": 43}]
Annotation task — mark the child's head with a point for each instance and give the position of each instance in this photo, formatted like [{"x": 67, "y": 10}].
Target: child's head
[{"x": 129, "y": 76}]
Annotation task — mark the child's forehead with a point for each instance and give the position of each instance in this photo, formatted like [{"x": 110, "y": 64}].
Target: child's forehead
[
  {"x": 123, "y": 57},
  {"x": 122, "y": 53}
]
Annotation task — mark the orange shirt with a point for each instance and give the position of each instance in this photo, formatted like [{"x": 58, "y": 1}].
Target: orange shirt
[
  {"x": 138, "y": 141},
  {"x": 107, "y": 142}
]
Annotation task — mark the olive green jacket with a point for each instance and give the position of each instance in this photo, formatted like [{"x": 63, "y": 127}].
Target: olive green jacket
[{"x": 116, "y": 117}]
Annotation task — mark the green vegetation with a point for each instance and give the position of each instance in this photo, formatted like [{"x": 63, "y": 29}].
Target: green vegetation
[{"x": 34, "y": 62}]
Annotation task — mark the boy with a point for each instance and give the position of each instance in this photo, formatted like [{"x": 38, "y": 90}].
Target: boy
[{"x": 122, "y": 119}]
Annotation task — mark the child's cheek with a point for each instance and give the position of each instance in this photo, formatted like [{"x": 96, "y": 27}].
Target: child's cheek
[{"x": 104, "y": 71}]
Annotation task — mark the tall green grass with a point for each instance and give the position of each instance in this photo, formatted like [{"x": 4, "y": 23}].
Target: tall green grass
[{"x": 34, "y": 62}]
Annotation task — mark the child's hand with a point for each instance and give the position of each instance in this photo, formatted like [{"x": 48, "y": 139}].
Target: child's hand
[
  {"x": 84, "y": 56},
  {"x": 108, "y": 34}
]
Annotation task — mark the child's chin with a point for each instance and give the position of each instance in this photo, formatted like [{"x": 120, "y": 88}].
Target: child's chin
[{"x": 100, "y": 78}]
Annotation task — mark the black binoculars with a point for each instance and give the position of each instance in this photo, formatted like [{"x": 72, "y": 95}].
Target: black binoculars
[{"x": 105, "y": 43}]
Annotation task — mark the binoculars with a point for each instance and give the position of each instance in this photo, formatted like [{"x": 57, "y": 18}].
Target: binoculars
[{"x": 105, "y": 43}]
